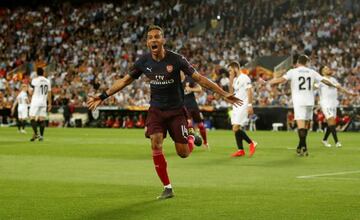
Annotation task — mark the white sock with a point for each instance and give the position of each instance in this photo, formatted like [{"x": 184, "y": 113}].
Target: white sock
[{"x": 168, "y": 186}]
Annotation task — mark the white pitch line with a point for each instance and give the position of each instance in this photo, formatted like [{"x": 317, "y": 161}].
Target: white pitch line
[
  {"x": 340, "y": 178},
  {"x": 328, "y": 174}
]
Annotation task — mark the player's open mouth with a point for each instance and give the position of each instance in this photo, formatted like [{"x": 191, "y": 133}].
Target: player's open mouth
[{"x": 154, "y": 47}]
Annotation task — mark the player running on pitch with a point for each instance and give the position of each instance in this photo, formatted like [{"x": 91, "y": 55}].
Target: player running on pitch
[{"x": 167, "y": 112}]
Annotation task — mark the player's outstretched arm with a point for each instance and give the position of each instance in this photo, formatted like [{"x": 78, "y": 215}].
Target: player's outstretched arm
[
  {"x": 336, "y": 85},
  {"x": 95, "y": 101},
  {"x": 277, "y": 81},
  {"x": 208, "y": 84},
  {"x": 347, "y": 92},
  {"x": 196, "y": 88}
]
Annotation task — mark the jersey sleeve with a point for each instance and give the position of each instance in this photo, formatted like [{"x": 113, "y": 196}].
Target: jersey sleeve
[
  {"x": 248, "y": 83},
  {"x": 33, "y": 83},
  {"x": 333, "y": 80},
  {"x": 185, "y": 66},
  {"x": 317, "y": 77},
  {"x": 18, "y": 97},
  {"x": 135, "y": 71},
  {"x": 288, "y": 75}
]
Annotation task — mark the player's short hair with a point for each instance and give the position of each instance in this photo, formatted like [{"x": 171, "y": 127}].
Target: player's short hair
[
  {"x": 234, "y": 64},
  {"x": 303, "y": 59},
  {"x": 155, "y": 27},
  {"x": 40, "y": 71},
  {"x": 321, "y": 69}
]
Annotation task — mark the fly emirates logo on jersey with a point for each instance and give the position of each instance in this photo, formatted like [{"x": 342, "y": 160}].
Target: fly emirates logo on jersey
[{"x": 162, "y": 79}]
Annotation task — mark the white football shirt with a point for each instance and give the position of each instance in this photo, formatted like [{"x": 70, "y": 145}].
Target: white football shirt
[
  {"x": 302, "y": 85},
  {"x": 240, "y": 84},
  {"x": 22, "y": 99},
  {"x": 41, "y": 89},
  {"x": 328, "y": 94}
]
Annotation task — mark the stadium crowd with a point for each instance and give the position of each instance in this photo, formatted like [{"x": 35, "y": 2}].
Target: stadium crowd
[{"x": 87, "y": 47}]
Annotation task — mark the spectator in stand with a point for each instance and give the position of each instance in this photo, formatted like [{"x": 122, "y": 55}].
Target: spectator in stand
[{"x": 93, "y": 42}]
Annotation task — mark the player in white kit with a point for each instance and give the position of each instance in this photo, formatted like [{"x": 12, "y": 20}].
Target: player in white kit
[
  {"x": 22, "y": 102},
  {"x": 302, "y": 91},
  {"x": 40, "y": 103},
  {"x": 240, "y": 84},
  {"x": 329, "y": 103}
]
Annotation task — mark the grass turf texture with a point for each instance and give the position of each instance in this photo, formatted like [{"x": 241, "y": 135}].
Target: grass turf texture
[{"x": 109, "y": 174}]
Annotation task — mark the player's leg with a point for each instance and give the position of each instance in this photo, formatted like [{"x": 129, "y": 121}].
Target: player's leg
[
  {"x": 22, "y": 115},
  {"x": 18, "y": 125},
  {"x": 303, "y": 116},
  {"x": 33, "y": 114},
  {"x": 332, "y": 130},
  {"x": 332, "y": 125},
  {"x": 161, "y": 164},
  {"x": 42, "y": 123},
  {"x": 202, "y": 129},
  {"x": 330, "y": 114},
  {"x": 198, "y": 119},
  {"x": 302, "y": 130},
  {"x": 21, "y": 129},
  {"x": 236, "y": 121},
  {"x": 239, "y": 141},
  {"x": 177, "y": 125},
  {"x": 241, "y": 119},
  {"x": 23, "y": 124},
  {"x": 193, "y": 138},
  {"x": 156, "y": 130},
  {"x": 326, "y": 135}
]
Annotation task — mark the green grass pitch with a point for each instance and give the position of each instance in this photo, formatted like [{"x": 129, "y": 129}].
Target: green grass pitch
[{"x": 109, "y": 174}]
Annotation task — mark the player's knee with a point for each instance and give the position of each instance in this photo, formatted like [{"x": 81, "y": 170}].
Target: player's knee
[
  {"x": 156, "y": 146},
  {"x": 183, "y": 154}
]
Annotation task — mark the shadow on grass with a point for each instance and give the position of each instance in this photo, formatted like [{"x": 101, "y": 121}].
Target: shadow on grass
[{"x": 139, "y": 210}]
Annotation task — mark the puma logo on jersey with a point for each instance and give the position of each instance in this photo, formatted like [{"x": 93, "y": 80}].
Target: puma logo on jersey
[{"x": 148, "y": 69}]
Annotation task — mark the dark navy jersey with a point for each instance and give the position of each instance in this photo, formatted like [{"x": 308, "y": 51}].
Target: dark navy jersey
[
  {"x": 164, "y": 76},
  {"x": 189, "y": 99}
]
